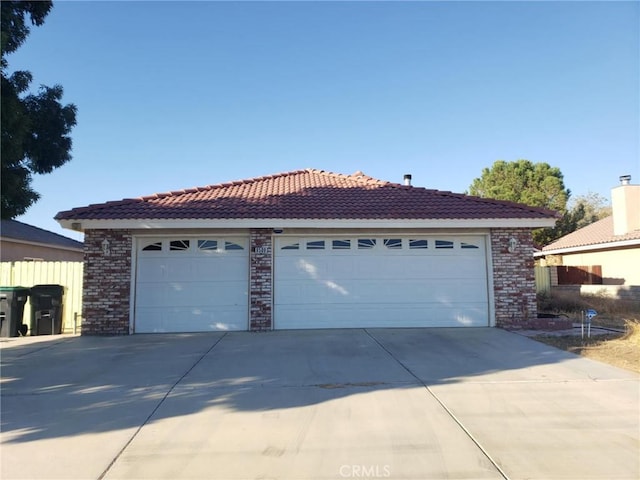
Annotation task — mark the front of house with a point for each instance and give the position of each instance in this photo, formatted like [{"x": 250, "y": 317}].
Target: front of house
[{"x": 306, "y": 249}]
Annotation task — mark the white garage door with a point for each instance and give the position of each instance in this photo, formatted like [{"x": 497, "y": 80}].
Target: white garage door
[
  {"x": 386, "y": 281},
  {"x": 191, "y": 284}
]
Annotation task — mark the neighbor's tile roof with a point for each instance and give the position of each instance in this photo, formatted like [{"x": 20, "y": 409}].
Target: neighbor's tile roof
[
  {"x": 594, "y": 234},
  {"x": 15, "y": 230},
  {"x": 306, "y": 194}
]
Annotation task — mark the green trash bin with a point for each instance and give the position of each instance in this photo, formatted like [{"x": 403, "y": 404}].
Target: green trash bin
[
  {"x": 46, "y": 309},
  {"x": 12, "y": 301}
]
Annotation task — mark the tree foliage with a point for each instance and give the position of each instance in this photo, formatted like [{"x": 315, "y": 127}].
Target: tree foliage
[
  {"x": 594, "y": 205},
  {"x": 35, "y": 127},
  {"x": 582, "y": 211},
  {"x": 534, "y": 184}
]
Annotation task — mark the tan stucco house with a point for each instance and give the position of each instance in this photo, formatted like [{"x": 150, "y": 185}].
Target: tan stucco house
[
  {"x": 22, "y": 242},
  {"x": 610, "y": 247}
]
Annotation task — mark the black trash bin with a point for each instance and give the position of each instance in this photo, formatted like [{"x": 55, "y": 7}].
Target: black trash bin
[
  {"x": 46, "y": 309},
  {"x": 12, "y": 301}
]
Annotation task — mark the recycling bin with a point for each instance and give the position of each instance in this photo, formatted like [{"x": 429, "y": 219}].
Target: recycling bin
[
  {"x": 12, "y": 301},
  {"x": 46, "y": 309}
]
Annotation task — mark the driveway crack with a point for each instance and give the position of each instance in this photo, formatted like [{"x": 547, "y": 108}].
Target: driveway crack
[
  {"x": 443, "y": 405},
  {"x": 162, "y": 400}
]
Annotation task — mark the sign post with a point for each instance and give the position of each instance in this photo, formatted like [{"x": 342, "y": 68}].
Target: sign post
[{"x": 586, "y": 318}]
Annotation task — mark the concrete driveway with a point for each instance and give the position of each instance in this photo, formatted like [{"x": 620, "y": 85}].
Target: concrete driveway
[{"x": 388, "y": 403}]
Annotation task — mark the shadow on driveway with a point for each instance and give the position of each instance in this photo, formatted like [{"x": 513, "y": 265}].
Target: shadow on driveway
[{"x": 98, "y": 384}]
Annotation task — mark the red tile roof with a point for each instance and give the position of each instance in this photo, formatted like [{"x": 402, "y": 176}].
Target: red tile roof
[
  {"x": 307, "y": 194},
  {"x": 597, "y": 233}
]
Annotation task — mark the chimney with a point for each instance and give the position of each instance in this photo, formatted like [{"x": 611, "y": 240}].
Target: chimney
[
  {"x": 625, "y": 204},
  {"x": 407, "y": 179}
]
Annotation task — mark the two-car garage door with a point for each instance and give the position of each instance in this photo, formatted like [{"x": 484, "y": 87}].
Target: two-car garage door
[
  {"x": 201, "y": 284},
  {"x": 388, "y": 281}
]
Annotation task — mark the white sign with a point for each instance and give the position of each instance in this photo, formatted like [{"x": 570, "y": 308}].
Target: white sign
[{"x": 261, "y": 249}]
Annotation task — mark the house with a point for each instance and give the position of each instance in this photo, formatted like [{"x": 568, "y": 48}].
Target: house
[
  {"x": 19, "y": 241},
  {"x": 605, "y": 255},
  {"x": 306, "y": 249}
]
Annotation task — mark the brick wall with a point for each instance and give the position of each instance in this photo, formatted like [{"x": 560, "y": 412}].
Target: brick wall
[
  {"x": 514, "y": 283},
  {"x": 107, "y": 287},
  {"x": 261, "y": 280}
]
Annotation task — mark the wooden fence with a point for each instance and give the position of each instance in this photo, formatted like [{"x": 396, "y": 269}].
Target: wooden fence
[{"x": 67, "y": 274}]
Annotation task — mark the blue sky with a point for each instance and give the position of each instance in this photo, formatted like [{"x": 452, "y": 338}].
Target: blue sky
[{"x": 173, "y": 95}]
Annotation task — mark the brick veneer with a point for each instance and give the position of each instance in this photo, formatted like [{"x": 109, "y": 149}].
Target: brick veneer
[
  {"x": 260, "y": 280},
  {"x": 513, "y": 278},
  {"x": 107, "y": 283}
]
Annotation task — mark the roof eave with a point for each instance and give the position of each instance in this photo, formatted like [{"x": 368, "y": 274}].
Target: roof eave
[
  {"x": 585, "y": 248},
  {"x": 82, "y": 225},
  {"x": 42, "y": 244}
]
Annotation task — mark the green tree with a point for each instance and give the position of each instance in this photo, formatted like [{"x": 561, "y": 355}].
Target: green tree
[
  {"x": 35, "y": 127},
  {"x": 522, "y": 181}
]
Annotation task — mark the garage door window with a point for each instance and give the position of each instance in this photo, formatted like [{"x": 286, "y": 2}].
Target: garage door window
[
  {"x": 315, "y": 245},
  {"x": 179, "y": 245},
  {"x": 393, "y": 243},
  {"x": 291, "y": 246},
  {"x": 341, "y": 244},
  {"x": 152, "y": 247},
  {"x": 207, "y": 245},
  {"x": 444, "y": 244},
  {"x": 232, "y": 246},
  {"x": 415, "y": 244},
  {"x": 366, "y": 243}
]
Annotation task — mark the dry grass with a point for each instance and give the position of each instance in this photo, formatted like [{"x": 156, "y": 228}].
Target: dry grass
[
  {"x": 620, "y": 350},
  {"x": 612, "y": 312}
]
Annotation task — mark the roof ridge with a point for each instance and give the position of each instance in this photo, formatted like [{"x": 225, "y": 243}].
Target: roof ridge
[{"x": 358, "y": 176}]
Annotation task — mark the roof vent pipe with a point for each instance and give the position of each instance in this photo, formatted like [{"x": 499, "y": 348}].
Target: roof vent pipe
[
  {"x": 407, "y": 179},
  {"x": 625, "y": 179}
]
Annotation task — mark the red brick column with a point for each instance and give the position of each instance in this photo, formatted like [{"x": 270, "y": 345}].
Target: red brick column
[
  {"x": 261, "y": 280},
  {"x": 514, "y": 283},
  {"x": 107, "y": 282}
]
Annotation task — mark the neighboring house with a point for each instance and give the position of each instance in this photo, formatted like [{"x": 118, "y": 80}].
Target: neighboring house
[
  {"x": 606, "y": 252},
  {"x": 19, "y": 242},
  {"x": 306, "y": 249}
]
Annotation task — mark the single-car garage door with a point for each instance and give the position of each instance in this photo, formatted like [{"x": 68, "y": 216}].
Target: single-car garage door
[
  {"x": 380, "y": 281},
  {"x": 191, "y": 284}
]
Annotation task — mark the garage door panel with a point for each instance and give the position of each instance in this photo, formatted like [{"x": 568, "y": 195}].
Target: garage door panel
[
  {"x": 383, "y": 286},
  {"x": 371, "y": 292},
  {"x": 190, "y": 293},
  {"x": 332, "y": 268},
  {"x": 201, "y": 287},
  {"x": 353, "y": 316},
  {"x": 189, "y": 319}
]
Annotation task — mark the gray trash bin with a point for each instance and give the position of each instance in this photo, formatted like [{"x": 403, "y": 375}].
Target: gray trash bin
[{"x": 12, "y": 301}]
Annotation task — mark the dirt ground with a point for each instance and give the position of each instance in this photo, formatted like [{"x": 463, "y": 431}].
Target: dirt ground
[{"x": 618, "y": 349}]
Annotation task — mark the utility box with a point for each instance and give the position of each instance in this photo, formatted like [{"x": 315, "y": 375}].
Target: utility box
[
  {"x": 46, "y": 309},
  {"x": 12, "y": 301}
]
